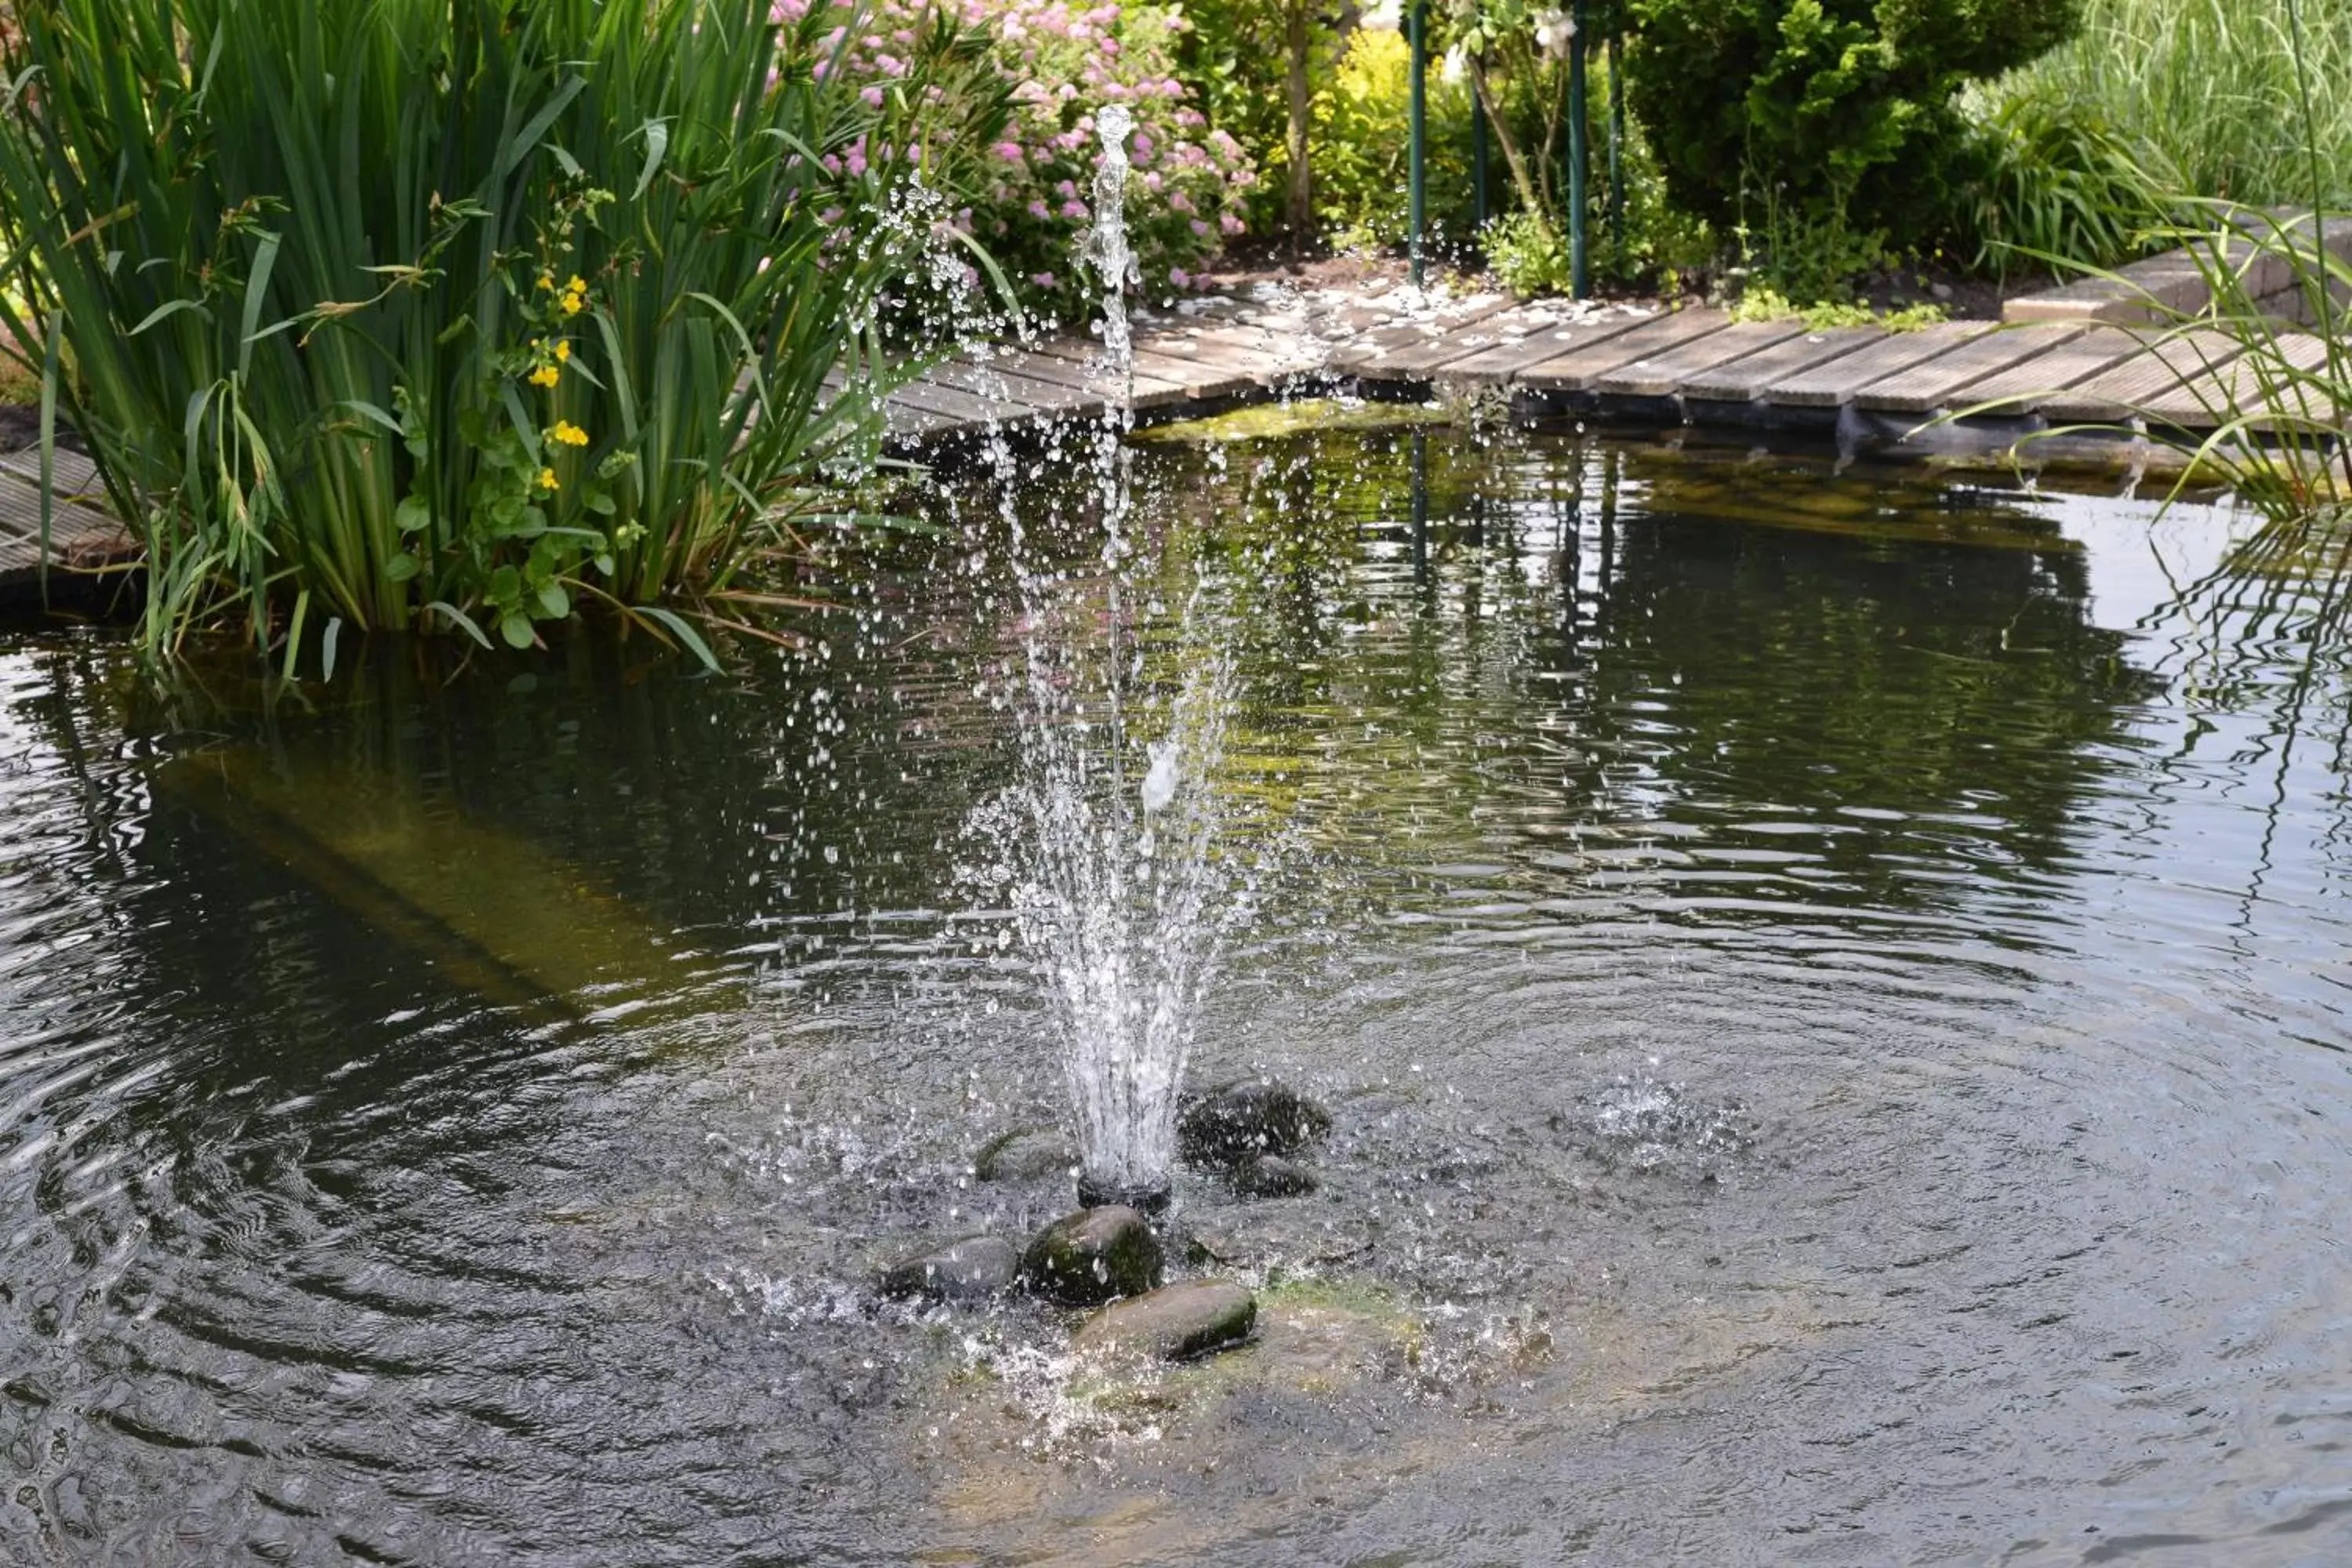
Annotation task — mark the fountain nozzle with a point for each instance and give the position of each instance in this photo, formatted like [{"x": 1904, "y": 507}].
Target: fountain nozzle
[{"x": 1094, "y": 1192}]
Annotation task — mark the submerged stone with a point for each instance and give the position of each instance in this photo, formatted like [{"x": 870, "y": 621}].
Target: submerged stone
[
  {"x": 1271, "y": 1176},
  {"x": 1175, "y": 1322},
  {"x": 973, "y": 1268},
  {"x": 1250, "y": 1116},
  {"x": 1024, "y": 1154},
  {"x": 1093, "y": 1255}
]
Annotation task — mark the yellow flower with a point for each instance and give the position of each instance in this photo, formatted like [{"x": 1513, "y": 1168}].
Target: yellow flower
[
  {"x": 572, "y": 304},
  {"x": 548, "y": 481},
  {"x": 563, "y": 352},
  {"x": 546, "y": 375},
  {"x": 547, "y": 281},
  {"x": 578, "y": 285},
  {"x": 568, "y": 434}
]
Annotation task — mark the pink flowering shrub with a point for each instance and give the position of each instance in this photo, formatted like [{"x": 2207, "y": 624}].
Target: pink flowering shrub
[{"x": 1021, "y": 169}]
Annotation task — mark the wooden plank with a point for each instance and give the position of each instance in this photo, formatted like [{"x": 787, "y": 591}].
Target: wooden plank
[
  {"x": 1202, "y": 379},
  {"x": 1445, "y": 351},
  {"x": 1743, "y": 380},
  {"x": 1505, "y": 359},
  {"x": 73, "y": 472},
  {"x": 72, "y": 526},
  {"x": 1374, "y": 353},
  {"x": 1078, "y": 366},
  {"x": 993, "y": 381},
  {"x": 2250, "y": 385},
  {"x": 1578, "y": 369},
  {"x": 2156, "y": 370},
  {"x": 903, "y": 422},
  {"x": 1664, "y": 374},
  {"x": 1836, "y": 383},
  {"x": 1158, "y": 381},
  {"x": 1937, "y": 382},
  {"x": 961, "y": 408},
  {"x": 2023, "y": 388},
  {"x": 1282, "y": 352},
  {"x": 80, "y": 536}
]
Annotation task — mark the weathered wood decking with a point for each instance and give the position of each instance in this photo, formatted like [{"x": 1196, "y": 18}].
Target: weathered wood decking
[
  {"x": 82, "y": 534},
  {"x": 2082, "y": 356}
]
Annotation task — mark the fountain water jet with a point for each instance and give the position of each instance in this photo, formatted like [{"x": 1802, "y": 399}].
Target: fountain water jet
[{"x": 1109, "y": 840}]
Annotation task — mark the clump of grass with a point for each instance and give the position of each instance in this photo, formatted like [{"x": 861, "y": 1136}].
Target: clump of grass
[
  {"x": 386, "y": 315},
  {"x": 2063, "y": 182},
  {"x": 2201, "y": 95}
]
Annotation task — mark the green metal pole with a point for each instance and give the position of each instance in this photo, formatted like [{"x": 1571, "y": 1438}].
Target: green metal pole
[
  {"x": 1419, "y": 24},
  {"x": 1579, "y": 259},
  {"x": 1616, "y": 150},
  {"x": 1478, "y": 157}
]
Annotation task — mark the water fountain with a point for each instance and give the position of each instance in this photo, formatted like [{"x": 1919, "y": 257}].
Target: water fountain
[{"x": 1110, "y": 836}]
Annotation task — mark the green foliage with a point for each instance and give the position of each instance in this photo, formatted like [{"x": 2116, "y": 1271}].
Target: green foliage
[
  {"x": 1528, "y": 255},
  {"x": 1233, "y": 54},
  {"x": 1361, "y": 146},
  {"x": 2282, "y": 396},
  {"x": 2202, "y": 94},
  {"x": 1825, "y": 126},
  {"x": 2061, "y": 182},
  {"x": 445, "y": 315},
  {"x": 1767, "y": 304}
]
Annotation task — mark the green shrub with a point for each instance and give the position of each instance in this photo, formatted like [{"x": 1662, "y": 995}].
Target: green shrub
[
  {"x": 1827, "y": 126},
  {"x": 1767, "y": 304},
  {"x": 394, "y": 314},
  {"x": 1362, "y": 146},
  {"x": 1528, "y": 255}
]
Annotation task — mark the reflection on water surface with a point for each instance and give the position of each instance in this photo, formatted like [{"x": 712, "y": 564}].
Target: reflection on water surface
[{"x": 1830, "y": 989}]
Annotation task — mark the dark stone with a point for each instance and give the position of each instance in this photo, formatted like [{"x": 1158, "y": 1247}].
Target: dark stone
[
  {"x": 1099, "y": 1195},
  {"x": 1175, "y": 1322},
  {"x": 1024, "y": 1154},
  {"x": 1250, "y": 1116},
  {"x": 973, "y": 1269},
  {"x": 1271, "y": 1176},
  {"x": 1092, "y": 1257}
]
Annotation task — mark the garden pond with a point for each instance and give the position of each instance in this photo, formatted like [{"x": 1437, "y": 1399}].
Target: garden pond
[{"x": 1829, "y": 982}]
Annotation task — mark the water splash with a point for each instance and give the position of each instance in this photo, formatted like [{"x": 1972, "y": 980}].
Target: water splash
[
  {"x": 1104, "y": 245},
  {"x": 1121, "y": 902},
  {"x": 1106, "y": 846}
]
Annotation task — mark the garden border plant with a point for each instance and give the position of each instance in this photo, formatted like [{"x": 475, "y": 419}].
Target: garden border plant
[{"x": 449, "y": 314}]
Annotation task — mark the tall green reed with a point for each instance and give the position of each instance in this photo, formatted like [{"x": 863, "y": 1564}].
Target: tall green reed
[
  {"x": 449, "y": 314},
  {"x": 2262, "y": 343},
  {"x": 2202, "y": 93}
]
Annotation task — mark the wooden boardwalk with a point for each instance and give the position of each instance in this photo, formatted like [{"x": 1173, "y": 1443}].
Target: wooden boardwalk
[
  {"x": 2082, "y": 356},
  {"x": 82, "y": 534},
  {"x": 2089, "y": 354}
]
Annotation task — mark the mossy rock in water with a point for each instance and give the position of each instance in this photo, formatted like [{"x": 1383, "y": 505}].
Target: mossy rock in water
[
  {"x": 1249, "y": 1117},
  {"x": 974, "y": 1268},
  {"x": 1025, "y": 1154},
  {"x": 1270, "y": 1176},
  {"x": 1175, "y": 1322},
  {"x": 1094, "y": 1255}
]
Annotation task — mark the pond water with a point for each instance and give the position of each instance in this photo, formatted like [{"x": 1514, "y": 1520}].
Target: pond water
[{"x": 1830, "y": 989}]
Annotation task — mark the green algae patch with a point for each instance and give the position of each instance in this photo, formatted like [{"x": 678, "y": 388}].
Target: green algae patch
[
  {"x": 495, "y": 913},
  {"x": 1304, "y": 417}
]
